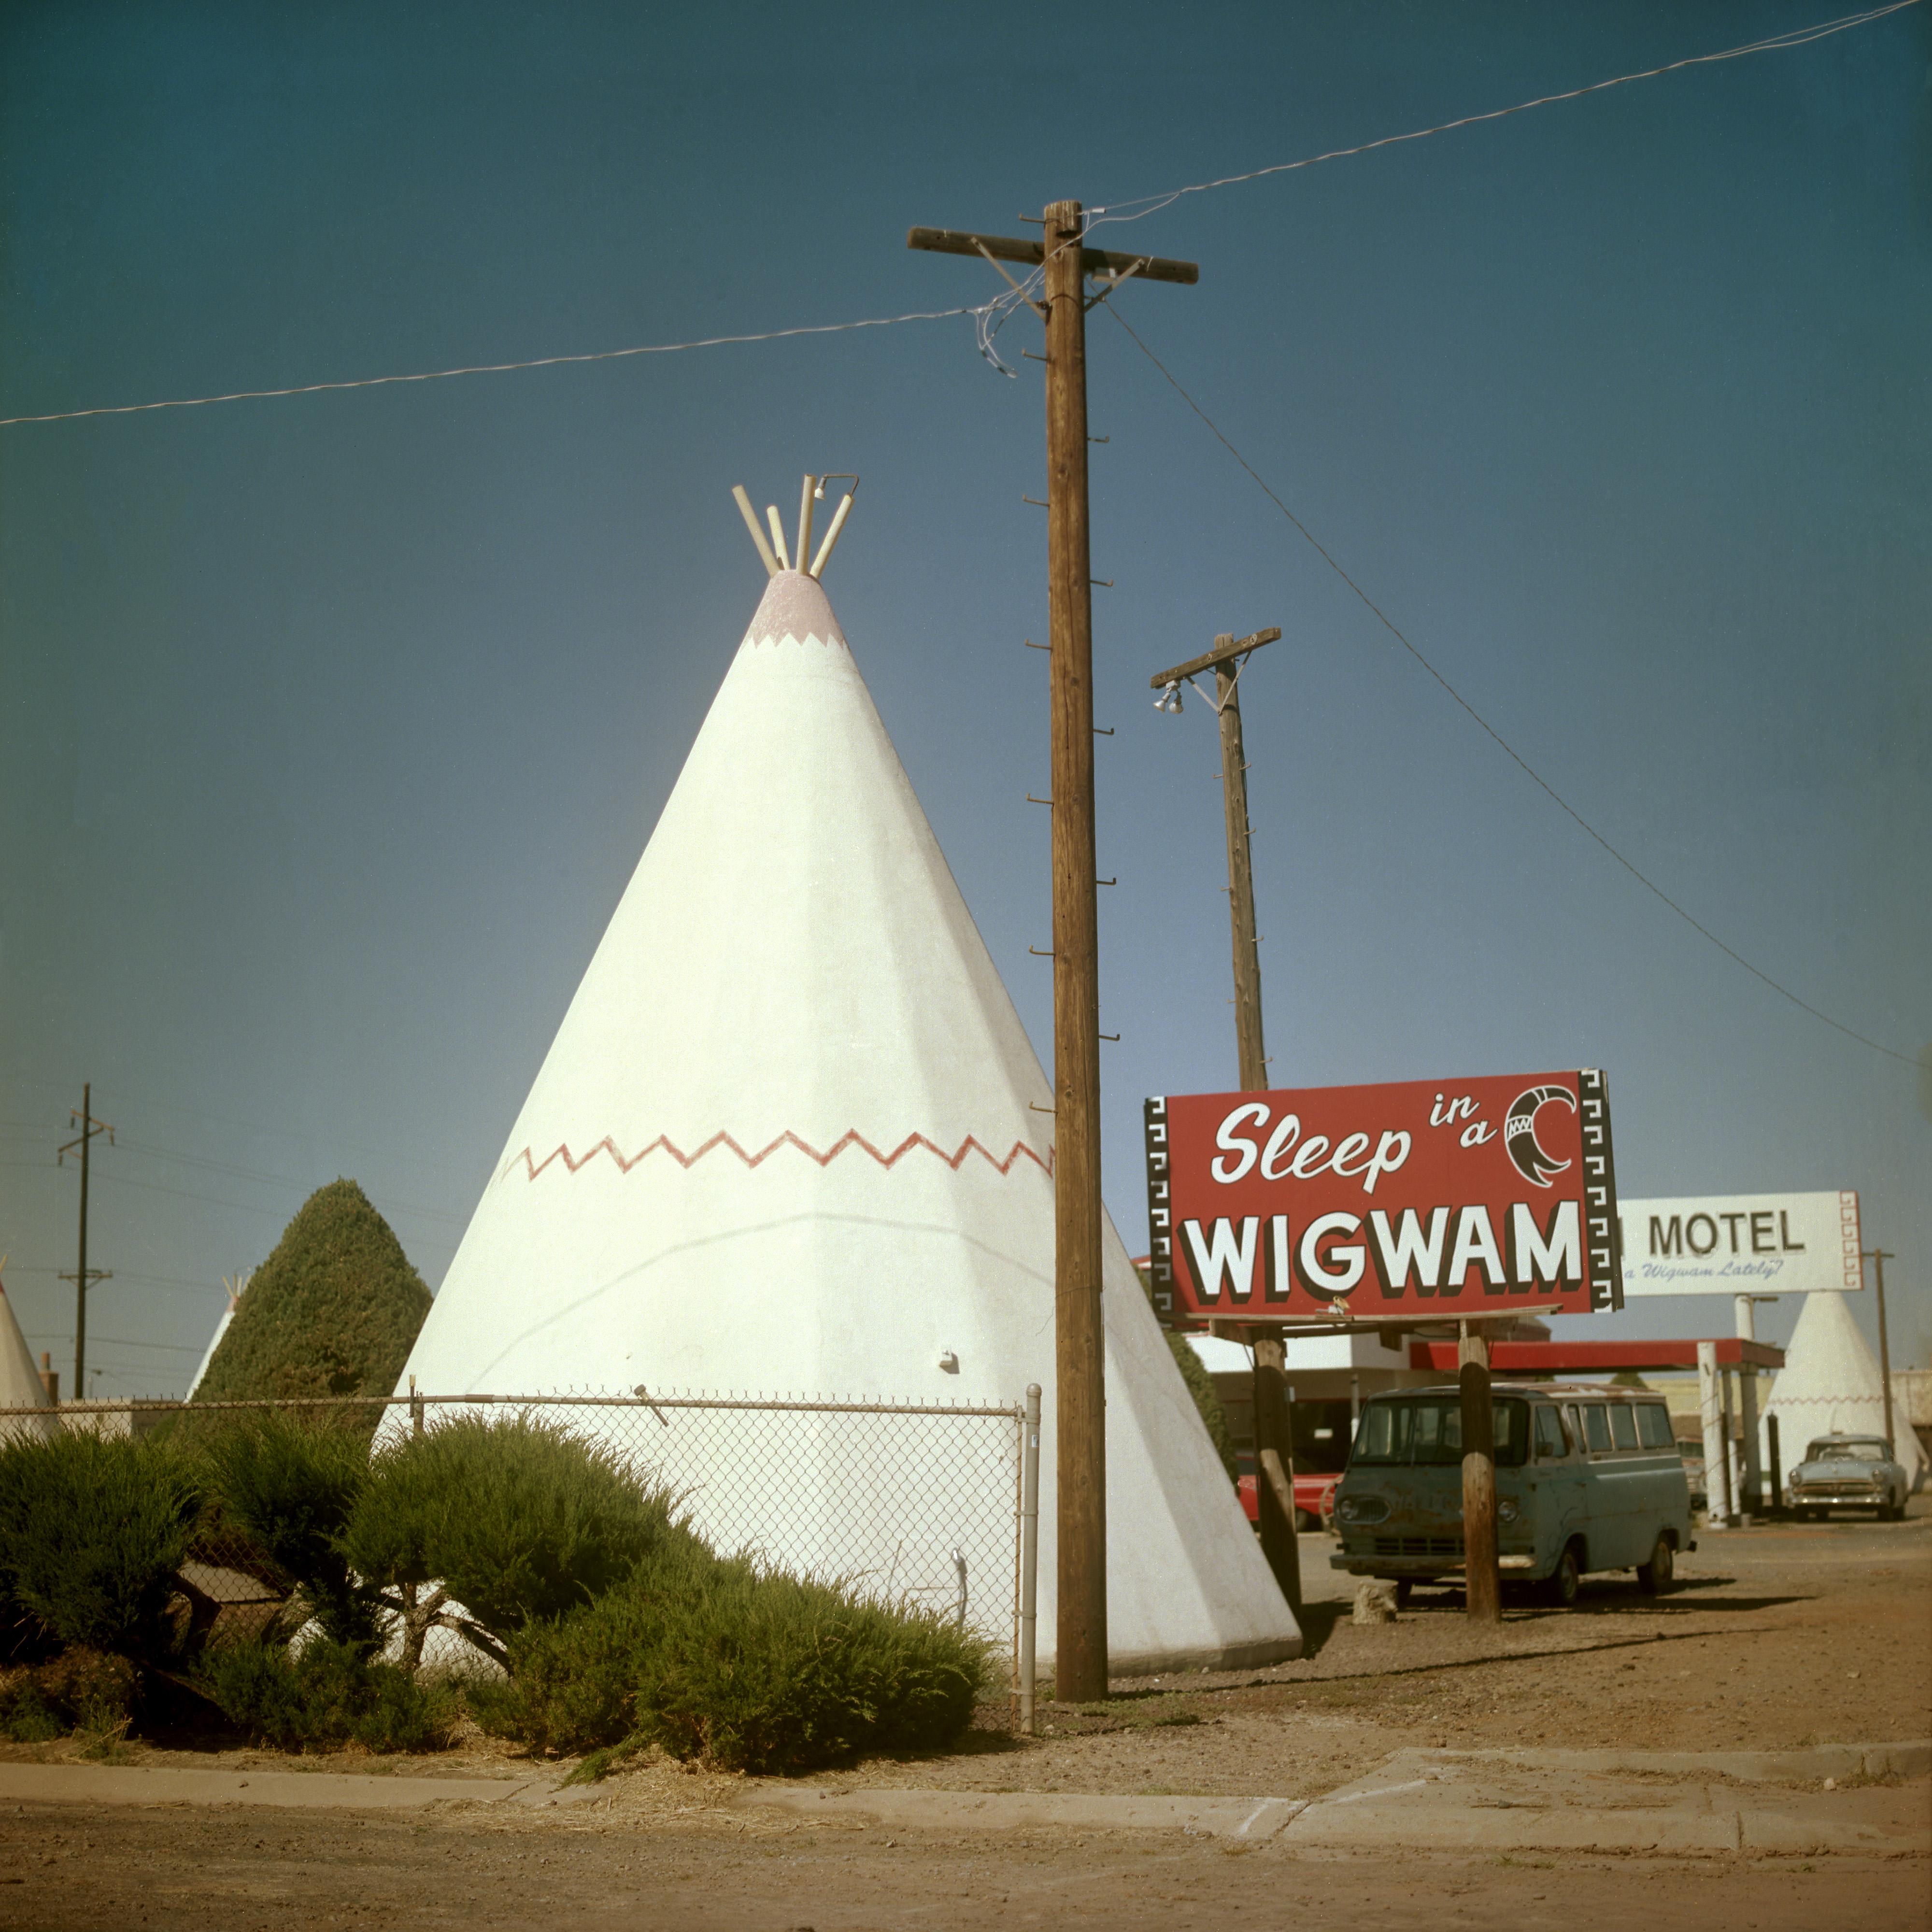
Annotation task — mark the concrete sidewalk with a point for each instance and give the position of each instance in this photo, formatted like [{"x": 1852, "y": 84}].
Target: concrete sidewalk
[{"x": 1695, "y": 1802}]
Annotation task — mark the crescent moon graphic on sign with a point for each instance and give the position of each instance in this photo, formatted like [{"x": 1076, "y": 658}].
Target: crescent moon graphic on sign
[{"x": 1519, "y": 1133}]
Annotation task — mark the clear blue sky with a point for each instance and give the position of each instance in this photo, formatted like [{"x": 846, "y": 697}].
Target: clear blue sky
[{"x": 331, "y": 727}]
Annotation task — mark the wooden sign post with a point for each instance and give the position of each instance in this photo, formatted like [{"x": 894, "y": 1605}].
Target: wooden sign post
[
  {"x": 1080, "y": 1651},
  {"x": 1482, "y": 1581}
]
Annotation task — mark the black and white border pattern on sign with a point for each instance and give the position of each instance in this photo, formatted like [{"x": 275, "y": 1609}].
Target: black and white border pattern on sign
[
  {"x": 1160, "y": 1219},
  {"x": 1603, "y": 1234}
]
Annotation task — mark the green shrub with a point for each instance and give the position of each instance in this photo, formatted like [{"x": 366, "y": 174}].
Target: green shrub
[
  {"x": 515, "y": 1520},
  {"x": 738, "y": 1669},
  {"x": 573, "y": 1680},
  {"x": 332, "y": 1694},
  {"x": 285, "y": 1491},
  {"x": 768, "y": 1673},
  {"x": 333, "y": 1311},
  {"x": 92, "y": 1530}
]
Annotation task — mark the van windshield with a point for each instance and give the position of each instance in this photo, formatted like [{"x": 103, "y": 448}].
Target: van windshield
[{"x": 1428, "y": 1429}]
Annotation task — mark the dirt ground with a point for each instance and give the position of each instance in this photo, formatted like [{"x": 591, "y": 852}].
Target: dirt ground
[{"x": 1777, "y": 1637}]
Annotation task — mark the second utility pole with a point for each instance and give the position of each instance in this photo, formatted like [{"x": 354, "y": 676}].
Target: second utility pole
[
  {"x": 1274, "y": 1447},
  {"x": 1080, "y": 1415},
  {"x": 1878, "y": 1257}
]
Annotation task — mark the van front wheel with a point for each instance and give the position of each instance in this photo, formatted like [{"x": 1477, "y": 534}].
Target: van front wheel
[
  {"x": 1559, "y": 1587},
  {"x": 1654, "y": 1578}
]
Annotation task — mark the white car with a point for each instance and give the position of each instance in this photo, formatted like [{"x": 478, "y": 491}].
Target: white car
[{"x": 1849, "y": 1472}]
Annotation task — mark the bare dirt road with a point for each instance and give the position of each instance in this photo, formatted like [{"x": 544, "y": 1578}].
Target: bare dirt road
[{"x": 1779, "y": 1637}]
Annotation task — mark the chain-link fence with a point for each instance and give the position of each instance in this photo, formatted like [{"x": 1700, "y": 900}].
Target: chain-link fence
[{"x": 926, "y": 1503}]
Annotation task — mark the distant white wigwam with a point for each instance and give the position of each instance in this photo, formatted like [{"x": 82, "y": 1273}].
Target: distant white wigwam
[
  {"x": 791, "y": 1138},
  {"x": 233, "y": 1289},
  {"x": 1831, "y": 1381},
  {"x": 20, "y": 1384}
]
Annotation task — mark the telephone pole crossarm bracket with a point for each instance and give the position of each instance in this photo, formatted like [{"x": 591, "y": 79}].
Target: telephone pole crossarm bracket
[
  {"x": 1017, "y": 248},
  {"x": 1222, "y": 654},
  {"x": 1038, "y": 308},
  {"x": 1113, "y": 285}
]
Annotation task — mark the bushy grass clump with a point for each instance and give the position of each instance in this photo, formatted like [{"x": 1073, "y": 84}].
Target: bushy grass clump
[
  {"x": 770, "y": 1673},
  {"x": 80, "y": 1689},
  {"x": 738, "y": 1669},
  {"x": 329, "y": 1694},
  {"x": 92, "y": 1531},
  {"x": 572, "y": 1680},
  {"x": 515, "y": 1520}
]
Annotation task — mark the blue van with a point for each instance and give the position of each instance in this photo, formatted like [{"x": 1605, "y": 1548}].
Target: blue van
[{"x": 1588, "y": 1478}]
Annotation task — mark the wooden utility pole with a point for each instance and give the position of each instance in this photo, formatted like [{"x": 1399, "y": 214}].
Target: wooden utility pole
[
  {"x": 1482, "y": 1582},
  {"x": 1878, "y": 1257},
  {"x": 1080, "y": 1652},
  {"x": 1274, "y": 1501},
  {"x": 83, "y": 1276}
]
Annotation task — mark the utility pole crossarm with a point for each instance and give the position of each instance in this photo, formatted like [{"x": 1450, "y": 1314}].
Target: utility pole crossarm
[
  {"x": 1219, "y": 655},
  {"x": 1018, "y": 248}
]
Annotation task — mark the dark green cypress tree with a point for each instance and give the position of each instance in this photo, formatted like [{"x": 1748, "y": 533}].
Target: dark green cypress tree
[{"x": 333, "y": 1311}]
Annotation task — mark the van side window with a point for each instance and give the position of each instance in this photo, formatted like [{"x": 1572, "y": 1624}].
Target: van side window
[
  {"x": 1653, "y": 1426},
  {"x": 1550, "y": 1445},
  {"x": 1623, "y": 1426},
  {"x": 1596, "y": 1428}
]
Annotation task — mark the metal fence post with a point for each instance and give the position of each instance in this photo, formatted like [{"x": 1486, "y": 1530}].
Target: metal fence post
[{"x": 1029, "y": 1551}]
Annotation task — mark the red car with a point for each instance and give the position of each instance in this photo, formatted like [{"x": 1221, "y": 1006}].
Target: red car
[{"x": 1314, "y": 1494}]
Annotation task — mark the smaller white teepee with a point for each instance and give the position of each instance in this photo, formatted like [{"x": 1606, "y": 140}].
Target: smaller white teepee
[
  {"x": 234, "y": 1290},
  {"x": 20, "y": 1384},
  {"x": 1831, "y": 1381}
]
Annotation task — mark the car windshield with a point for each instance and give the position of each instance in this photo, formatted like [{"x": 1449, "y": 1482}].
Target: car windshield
[
  {"x": 1847, "y": 1452},
  {"x": 1428, "y": 1429}
]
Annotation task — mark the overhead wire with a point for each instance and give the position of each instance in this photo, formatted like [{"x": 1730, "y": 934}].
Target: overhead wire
[
  {"x": 1529, "y": 771},
  {"x": 1799, "y": 36},
  {"x": 990, "y": 316},
  {"x": 492, "y": 368}
]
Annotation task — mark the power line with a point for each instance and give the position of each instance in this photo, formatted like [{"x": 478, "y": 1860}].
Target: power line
[
  {"x": 273, "y": 1180},
  {"x": 497, "y": 368},
  {"x": 246, "y": 1207},
  {"x": 1799, "y": 36},
  {"x": 121, "y": 1342},
  {"x": 1529, "y": 770},
  {"x": 988, "y": 314}
]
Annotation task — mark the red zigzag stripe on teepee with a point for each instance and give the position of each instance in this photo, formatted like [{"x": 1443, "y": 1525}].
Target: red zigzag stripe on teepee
[{"x": 852, "y": 1139}]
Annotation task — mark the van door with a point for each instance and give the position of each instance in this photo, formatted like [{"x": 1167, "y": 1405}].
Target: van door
[
  {"x": 1556, "y": 1478},
  {"x": 1620, "y": 1533}
]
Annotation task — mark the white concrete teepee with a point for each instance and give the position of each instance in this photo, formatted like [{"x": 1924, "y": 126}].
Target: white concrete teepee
[
  {"x": 1831, "y": 1381},
  {"x": 791, "y": 1138},
  {"x": 20, "y": 1384},
  {"x": 233, "y": 1291}
]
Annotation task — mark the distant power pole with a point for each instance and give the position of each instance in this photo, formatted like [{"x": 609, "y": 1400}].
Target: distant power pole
[
  {"x": 1274, "y": 1452},
  {"x": 1878, "y": 1257},
  {"x": 83, "y": 1276},
  {"x": 1080, "y": 1651}
]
